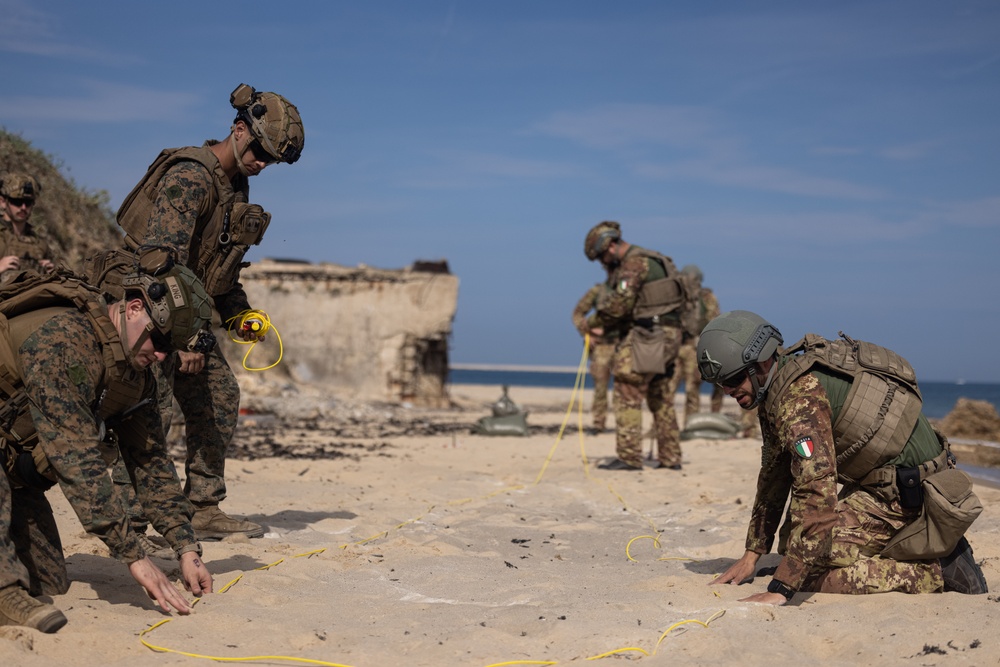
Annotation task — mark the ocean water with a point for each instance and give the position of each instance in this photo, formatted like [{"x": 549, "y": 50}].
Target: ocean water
[{"x": 939, "y": 397}]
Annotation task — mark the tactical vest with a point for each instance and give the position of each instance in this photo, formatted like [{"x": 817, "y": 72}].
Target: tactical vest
[
  {"x": 219, "y": 241},
  {"x": 669, "y": 300},
  {"x": 29, "y": 248},
  {"x": 881, "y": 408},
  {"x": 26, "y": 304}
]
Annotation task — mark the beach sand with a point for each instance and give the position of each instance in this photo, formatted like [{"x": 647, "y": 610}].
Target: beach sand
[{"x": 437, "y": 547}]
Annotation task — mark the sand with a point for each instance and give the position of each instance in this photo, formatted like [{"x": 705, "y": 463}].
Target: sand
[{"x": 443, "y": 548}]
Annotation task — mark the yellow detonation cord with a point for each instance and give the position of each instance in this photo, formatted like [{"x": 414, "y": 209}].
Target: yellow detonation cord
[{"x": 257, "y": 322}]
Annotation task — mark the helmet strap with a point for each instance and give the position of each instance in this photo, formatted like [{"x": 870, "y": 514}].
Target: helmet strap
[
  {"x": 759, "y": 390},
  {"x": 132, "y": 353},
  {"x": 239, "y": 156}
]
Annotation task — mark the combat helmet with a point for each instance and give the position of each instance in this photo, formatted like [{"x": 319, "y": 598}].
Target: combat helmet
[
  {"x": 18, "y": 185},
  {"x": 731, "y": 346},
  {"x": 180, "y": 310},
  {"x": 694, "y": 272},
  {"x": 600, "y": 237},
  {"x": 273, "y": 121}
]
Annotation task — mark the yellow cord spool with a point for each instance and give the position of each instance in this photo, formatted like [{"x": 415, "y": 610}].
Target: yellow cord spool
[{"x": 259, "y": 324}]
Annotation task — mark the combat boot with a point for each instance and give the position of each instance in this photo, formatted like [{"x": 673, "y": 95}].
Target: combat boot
[
  {"x": 211, "y": 523},
  {"x": 155, "y": 549},
  {"x": 19, "y": 608},
  {"x": 961, "y": 572}
]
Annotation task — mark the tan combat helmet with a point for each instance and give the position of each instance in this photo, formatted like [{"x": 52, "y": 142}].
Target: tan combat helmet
[
  {"x": 18, "y": 185},
  {"x": 600, "y": 237},
  {"x": 180, "y": 310},
  {"x": 273, "y": 121}
]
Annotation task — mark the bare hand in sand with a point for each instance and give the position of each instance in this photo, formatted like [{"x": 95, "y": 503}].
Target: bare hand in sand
[
  {"x": 157, "y": 586},
  {"x": 197, "y": 578},
  {"x": 740, "y": 571}
]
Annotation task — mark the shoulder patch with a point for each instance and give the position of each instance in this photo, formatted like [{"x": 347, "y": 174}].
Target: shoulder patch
[
  {"x": 804, "y": 447},
  {"x": 77, "y": 374}
]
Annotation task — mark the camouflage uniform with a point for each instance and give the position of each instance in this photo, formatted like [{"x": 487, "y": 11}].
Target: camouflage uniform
[
  {"x": 65, "y": 376},
  {"x": 830, "y": 543},
  {"x": 29, "y": 247},
  {"x": 601, "y": 351},
  {"x": 615, "y": 312},
  {"x": 687, "y": 362},
  {"x": 209, "y": 400}
]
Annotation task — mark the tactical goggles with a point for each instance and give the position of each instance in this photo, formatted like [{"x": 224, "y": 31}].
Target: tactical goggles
[
  {"x": 161, "y": 341},
  {"x": 18, "y": 203},
  {"x": 733, "y": 381},
  {"x": 260, "y": 154}
]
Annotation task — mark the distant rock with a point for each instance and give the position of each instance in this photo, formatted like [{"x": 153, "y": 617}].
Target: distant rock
[
  {"x": 973, "y": 428},
  {"x": 972, "y": 420}
]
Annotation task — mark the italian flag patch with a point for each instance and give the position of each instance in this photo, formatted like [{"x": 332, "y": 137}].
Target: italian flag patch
[{"x": 804, "y": 447}]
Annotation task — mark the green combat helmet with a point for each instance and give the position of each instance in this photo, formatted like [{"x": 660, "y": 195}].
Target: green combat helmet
[
  {"x": 179, "y": 308},
  {"x": 18, "y": 185},
  {"x": 732, "y": 345},
  {"x": 600, "y": 237},
  {"x": 694, "y": 272},
  {"x": 273, "y": 121}
]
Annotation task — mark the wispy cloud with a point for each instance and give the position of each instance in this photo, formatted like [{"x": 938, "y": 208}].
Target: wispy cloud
[
  {"x": 101, "y": 102},
  {"x": 463, "y": 169},
  {"x": 699, "y": 149},
  {"x": 29, "y": 31}
]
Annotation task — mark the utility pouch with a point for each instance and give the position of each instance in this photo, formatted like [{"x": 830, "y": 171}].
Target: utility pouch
[
  {"x": 911, "y": 493},
  {"x": 950, "y": 506},
  {"x": 649, "y": 349}
]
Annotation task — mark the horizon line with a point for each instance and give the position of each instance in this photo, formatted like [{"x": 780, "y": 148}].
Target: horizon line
[{"x": 512, "y": 367}]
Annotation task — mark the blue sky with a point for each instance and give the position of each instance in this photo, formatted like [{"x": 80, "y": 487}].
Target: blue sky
[{"x": 828, "y": 165}]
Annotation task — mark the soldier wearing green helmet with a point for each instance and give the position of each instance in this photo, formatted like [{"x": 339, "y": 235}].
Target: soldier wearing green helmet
[
  {"x": 842, "y": 412},
  {"x": 642, "y": 309},
  {"x": 79, "y": 395},
  {"x": 195, "y": 201}
]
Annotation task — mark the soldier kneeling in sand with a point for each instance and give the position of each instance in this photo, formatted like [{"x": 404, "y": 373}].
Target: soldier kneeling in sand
[
  {"x": 78, "y": 394},
  {"x": 848, "y": 412}
]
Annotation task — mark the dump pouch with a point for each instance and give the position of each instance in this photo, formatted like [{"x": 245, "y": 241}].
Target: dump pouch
[
  {"x": 649, "y": 349},
  {"x": 950, "y": 506}
]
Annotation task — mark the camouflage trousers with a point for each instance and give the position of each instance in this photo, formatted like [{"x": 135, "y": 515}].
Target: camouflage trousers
[
  {"x": 865, "y": 524},
  {"x": 630, "y": 388},
  {"x": 30, "y": 549},
  {"x": 210, "y": 403},
  {"x": 686, "y": 371},
  {"x": 601, "y": 356}
]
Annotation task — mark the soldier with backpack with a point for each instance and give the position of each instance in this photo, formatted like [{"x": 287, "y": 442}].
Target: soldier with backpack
[
  {"x": 842, "y": 412},
  {"x": 687, "y": 365},
  {"x": 76, "y": 395}
]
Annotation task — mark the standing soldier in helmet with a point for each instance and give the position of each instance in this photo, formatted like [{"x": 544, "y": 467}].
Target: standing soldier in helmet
[
  {"x": 643, "y": 307},
  {"x": 77, "y": 395},
  {"x": 602, "y": 351},
  {"x": 195, "y": 201},
  {"x": 842, "y": 412},
  {"x": 21, "y": 249},
  {"x": 706, "y": 309}
]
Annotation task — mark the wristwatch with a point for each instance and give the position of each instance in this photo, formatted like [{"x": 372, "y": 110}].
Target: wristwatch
[{"x": 777, "y": 587}]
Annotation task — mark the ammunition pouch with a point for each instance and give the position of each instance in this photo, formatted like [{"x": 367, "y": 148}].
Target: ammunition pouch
[
  {"x": 242, "y": 227},
  {"x": 908, "y": 485}
]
